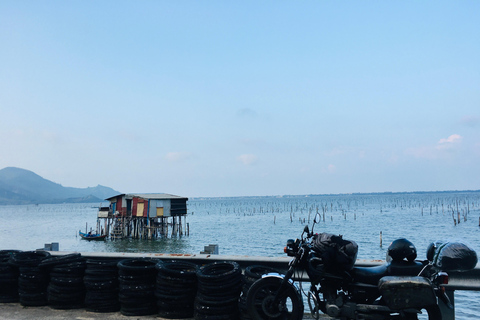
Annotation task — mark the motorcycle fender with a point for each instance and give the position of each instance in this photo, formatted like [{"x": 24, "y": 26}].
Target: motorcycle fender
[{"x": 281, "y": 277}]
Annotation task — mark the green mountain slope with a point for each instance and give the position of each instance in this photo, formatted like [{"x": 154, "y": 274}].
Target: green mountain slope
[{"x": 20, "y": 186}]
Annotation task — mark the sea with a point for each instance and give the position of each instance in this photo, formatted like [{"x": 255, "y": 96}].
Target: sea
[{"x": 260, "y": 226}]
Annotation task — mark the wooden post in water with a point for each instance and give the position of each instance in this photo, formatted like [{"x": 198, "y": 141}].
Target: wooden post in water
[
  {"x": 179, "y": 226},
  {"x": 381, "y": 239}
]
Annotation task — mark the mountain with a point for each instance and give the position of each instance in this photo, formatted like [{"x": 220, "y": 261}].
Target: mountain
[{"x": 20, "y": 186}]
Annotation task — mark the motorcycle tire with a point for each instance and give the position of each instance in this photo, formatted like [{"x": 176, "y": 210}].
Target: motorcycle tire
[
  {"x": 260, "y": 298},
  {"x": 433, "y": 313}
]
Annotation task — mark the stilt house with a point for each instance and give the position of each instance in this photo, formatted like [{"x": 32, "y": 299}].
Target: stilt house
[{"x": 142, "y": 215}]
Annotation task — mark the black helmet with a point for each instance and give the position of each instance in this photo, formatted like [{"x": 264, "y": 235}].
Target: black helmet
[{"x": 402, "y": 249}]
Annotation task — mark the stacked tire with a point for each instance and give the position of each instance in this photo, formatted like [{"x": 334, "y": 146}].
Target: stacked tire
[
  {"x": 252, "y": 274},
  {"x": 101, "y": 285},
  {"x": 137, "y": 279},
  {"x": 176, "y": 288},
  {"x": 66, "y": 289},
  {"x": 32, "y": 279},
  {"x": 219, "y": 286},
  {"x": 8, "y": 278}
]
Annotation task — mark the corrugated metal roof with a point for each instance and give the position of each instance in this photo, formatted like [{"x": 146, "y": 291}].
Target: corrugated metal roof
[{"x": 157, "y": 196}]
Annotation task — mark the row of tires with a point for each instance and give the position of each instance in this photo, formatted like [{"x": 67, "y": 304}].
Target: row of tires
[{"x": 135, "y": 287}]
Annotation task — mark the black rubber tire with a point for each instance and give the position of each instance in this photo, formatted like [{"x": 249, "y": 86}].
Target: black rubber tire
[
  {"x": 75, "y": 282},
  {"x": 8, "y": 298},
  {"x": 33, "y": 299},
  {"x": 6, "y": 254},
  {"x": 176, "y": 282},
  {"x": 32, "y": 285},
  {"x": 227, "y": 285},
  {"x": 57, "y": 260},
  {"x": 138, "y": 309},
  {"x": 103, "y": 308},
  {"x": 64, "y": 289},
  {"x": 140, "y": 288},
  {"x": 261, "y": 294},
  {"x": 133, "y": 267},
  {"x": 433, "y": 313},
  {"x": 137, "y": 287},
  {"x": 132, "y": 280},
  {"x": 73, "y": 268},
  {"x": 256, "y": 271},
  {"x": 101, "y": 268},
  {"x": 176, "y": 314},
  {"x": 216, "y": 309},
  {"x": 27, "y": 272},
  {"x": 177, "y": 269},
  {"x": 101, "y": 285},
  {"x": 28, "y": 258},
  {"x": 209, "y": 301},
  {"x": 218, "y": 271}
]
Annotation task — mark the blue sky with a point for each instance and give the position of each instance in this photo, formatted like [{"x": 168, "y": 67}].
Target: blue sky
[{"x": 222, "y": 98}]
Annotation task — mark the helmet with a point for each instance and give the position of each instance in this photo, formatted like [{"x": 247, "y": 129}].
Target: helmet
[{"x": 401, "y": 249}]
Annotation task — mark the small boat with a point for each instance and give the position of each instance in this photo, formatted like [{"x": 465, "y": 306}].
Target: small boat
[{"x": 92, "y": 236}]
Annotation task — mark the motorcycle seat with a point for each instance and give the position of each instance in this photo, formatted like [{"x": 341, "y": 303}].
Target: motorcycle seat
[
  {"x": 404, "y": 268},
  {"x": 369, "y": 275}
]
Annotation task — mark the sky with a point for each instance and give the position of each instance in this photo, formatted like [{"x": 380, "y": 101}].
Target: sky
[{"x": 242, "y": 98}]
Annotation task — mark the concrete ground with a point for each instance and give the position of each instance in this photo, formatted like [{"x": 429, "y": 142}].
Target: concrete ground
[{"x": 15, "y": 311}]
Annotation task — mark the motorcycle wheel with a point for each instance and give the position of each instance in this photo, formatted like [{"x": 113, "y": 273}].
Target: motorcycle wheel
[
  {"x": 433, "y": 313},
  {"x": 260, "y": 301}
]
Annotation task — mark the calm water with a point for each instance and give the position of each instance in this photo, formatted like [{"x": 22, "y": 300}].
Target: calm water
[{"x": 261, "y": 226}]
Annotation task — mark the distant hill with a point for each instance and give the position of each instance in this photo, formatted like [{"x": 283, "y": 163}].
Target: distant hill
[{"x": 20, "y": 186}]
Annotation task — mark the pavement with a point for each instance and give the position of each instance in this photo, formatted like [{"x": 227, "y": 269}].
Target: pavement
[{"x": 15, "y": 311}]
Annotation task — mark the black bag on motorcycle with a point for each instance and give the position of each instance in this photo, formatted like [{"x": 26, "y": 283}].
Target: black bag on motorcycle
[
  {"x": 336, "y": 253},
  {"x": 452, "y": 256}
]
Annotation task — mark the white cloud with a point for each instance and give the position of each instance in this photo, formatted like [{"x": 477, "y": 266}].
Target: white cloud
[
  {"x": 247, "y": 159},
  {"x": 449, "y": 142},
  {"x": 177, "y": 156},
  {"x": 435, "y": 151}
]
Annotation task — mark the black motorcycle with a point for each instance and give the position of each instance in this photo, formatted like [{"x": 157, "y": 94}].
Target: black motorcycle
[{"x": 401, "y": 288}]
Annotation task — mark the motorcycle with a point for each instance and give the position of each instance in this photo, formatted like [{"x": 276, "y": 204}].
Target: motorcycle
[{"x": 401, "y": 288}]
